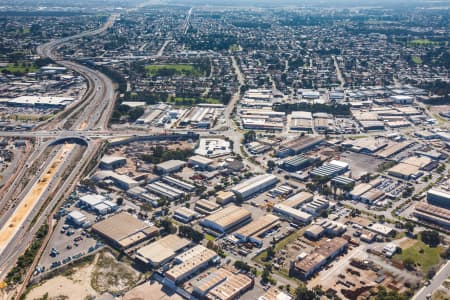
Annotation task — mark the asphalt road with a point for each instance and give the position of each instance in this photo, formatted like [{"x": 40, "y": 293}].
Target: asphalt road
[
  {"x": 94, "y": 113},
  {"x": 437, "y": 280}
]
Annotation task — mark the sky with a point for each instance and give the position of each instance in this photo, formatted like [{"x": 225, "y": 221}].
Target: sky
[{"x": 235, "y": 3}]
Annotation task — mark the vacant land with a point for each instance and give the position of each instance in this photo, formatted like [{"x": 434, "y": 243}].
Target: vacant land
[
  {"x": 66, "y": 286},
  {"x": 103, "y": 274},
  {"x": 424, "y": 256},
  {"x": 155, "y": 289},
  {"x": 112, "y": 276},
  {"x": 361, "y": 163},
  {"x": 170, "y": 70}
]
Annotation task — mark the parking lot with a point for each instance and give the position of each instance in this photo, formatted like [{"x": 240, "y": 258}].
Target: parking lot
[
  {"x": 360, "y": 163},
  {"x": 67, "y": 244},
  {"x": 248, "y": 250}
]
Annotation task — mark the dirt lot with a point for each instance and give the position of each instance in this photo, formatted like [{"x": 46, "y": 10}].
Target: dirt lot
[
  {"x": 74, "y": 286},
  {"x": 406, "y": 242},
  {"x": 436, "y": 109},
  {"x": 112, "y": 276},
  {"x": 155, "y": 289},
  {"x": 104, "y": 274}
]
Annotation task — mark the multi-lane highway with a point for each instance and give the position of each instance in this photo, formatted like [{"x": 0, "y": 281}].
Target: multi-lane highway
[
  {"x": 60, "y": 169},
  {"x": 85, "y": 120},
  {"x": 94, "y": 110}
]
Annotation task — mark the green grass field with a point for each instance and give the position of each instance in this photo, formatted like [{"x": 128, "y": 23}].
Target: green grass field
[
  {"x": 181, "y": 69},
  {"x": 19, "y": 69},
  {"x": 209, "y": 237},
  {"x": 425, "y": 260},
  {"x": 234, "y": 48},
  {"x": 417, "y": 60},
  {"x": 191, "y": 101},
  {"x": 280, "y": 245},
  {"x": 422, "y": 42}
]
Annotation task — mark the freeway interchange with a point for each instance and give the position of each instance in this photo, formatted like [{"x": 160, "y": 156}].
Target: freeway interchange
[
  {"x": 61, "y": 165},
  {"x": 58, "y": 166}
]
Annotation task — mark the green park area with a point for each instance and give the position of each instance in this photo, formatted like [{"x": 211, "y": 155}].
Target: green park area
[
  {"x": 18, "y": 69},
  {"x": 417, "y": 60},
  {"x": 422, "y": 42},
  {"x": 424, "y": 256},
  {"x": 172, "y": 69},
  {"x": 187, "y": 101}
]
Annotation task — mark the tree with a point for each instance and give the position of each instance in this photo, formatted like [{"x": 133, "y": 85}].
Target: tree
[
  {"x": 365, "y": 178},
  {"x": 271, "y": 164},
  {"x": 242, "y": 266},
  {"x": 168, "y": 226},
  {"x": 270, "y": 252},
  {"x": 190, "y": 233},
  {"x": 324, "y": 213},
  {"x": 408, "y": 192},
  {"x": 430, "y": 237},
  {"x": 441, "y": 168},
  {"x": 266, "y": 277},
  {"x": 135, "y": 113},
  {"x": 383, "y": 294},
  {"x": 249, "y": 136},
  {"x": 409, "y": 226},
  {"x": 409, "y": 263},
  {"x": 446, "y": 254},
  {"x": 303, "y": 293},
  {"x": 210, "y": 244},
  {"x": 431, "y": 272},
  {"x": 120, "y": 201}
]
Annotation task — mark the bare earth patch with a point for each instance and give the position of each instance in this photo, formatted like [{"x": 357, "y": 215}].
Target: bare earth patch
[
  {"x": 112, "y": 276},
  {"x": 76, "y": 287},
  {"x": 406, "y": 243},
  {"x": 104, "y": 274}
]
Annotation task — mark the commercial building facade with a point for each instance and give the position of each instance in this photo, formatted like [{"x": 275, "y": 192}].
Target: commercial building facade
[
  {"x": 439, "y": 198},
  {"x": 292, "y": 214}
]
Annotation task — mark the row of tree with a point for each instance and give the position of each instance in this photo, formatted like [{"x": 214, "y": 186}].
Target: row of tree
[
  {"x": 160, "y": 154},
  {"x": 335, "y": 109}
]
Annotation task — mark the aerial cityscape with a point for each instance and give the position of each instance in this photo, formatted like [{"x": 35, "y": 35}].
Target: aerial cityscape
[{"x": 222, "y": 150}]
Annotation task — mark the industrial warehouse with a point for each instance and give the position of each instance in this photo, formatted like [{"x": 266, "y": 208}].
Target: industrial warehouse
[
  {"x": 325, "y": 252},
  {"x": 222, "y": 284},
  {"x": 189, "y": 262},
  {"x": 254, "y": 185},
  {"x": 162, "y": 250},
  {"x": 123, "y": 231},
  {"x": 253, "y": 231},
  {"x": 226, "y": 219},
  {"x": 38, "y": 101},
  {"x": 270, "y": 150}
]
